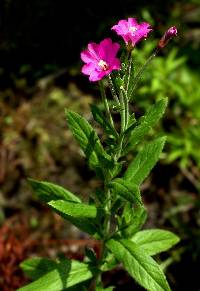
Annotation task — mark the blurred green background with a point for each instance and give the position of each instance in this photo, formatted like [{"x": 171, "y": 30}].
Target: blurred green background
[{"x": 40, "y": 44}]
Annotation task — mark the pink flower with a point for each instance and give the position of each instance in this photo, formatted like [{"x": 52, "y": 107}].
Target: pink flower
[
  {"x": 171, "y": 32},
  {"x": 100, "y": 59},
  {"x": 131, "y": 31}
]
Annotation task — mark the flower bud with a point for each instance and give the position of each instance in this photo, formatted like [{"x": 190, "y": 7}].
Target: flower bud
[{"x": 170, "y": 33}]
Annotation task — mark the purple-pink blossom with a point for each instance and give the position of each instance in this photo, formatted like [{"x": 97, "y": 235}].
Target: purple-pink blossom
[
  {"x": 171, "y": 32},
  {"x": 131, "y": 31},
  {"x": 100, "y": 59}
]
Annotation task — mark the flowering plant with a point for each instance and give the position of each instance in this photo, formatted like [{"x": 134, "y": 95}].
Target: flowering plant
[{"x": 115, "y": 213}]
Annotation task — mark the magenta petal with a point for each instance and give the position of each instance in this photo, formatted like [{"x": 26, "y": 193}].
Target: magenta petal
[
  {"x": 121, "y": 27},
  {"x": 88, "y": 69},
  {"x": 126, "y": 38},
  {"x": 123, "y": 24},
  {"x": 145, "y": 25},
  {"x": 86, "y": 57},
  {"x": 96, "y": 76},
  {"x": 108, "y": 50},
  {"x": 106, "y": 42},
  {"x": 145, "y": 28},
  {"x": 116, "y": 65},
  {"x": 132, "y": 22},
  {"x": 93, "y": 48},
  {"x": 118, "y": 29}
]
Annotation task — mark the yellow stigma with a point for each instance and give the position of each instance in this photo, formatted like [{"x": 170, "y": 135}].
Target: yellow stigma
[
  {"x": 133, "y": 29},
  {"x": 103, "y": 65}
]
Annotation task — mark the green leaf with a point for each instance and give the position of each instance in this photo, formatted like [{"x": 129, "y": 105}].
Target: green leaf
[
  {"x": 110, "y": 263},
  {"x": 86, "y": 224},
  {"x": 147, "y": 122},
  {"x": 133, "y": 219},
  {"x": 155, "y": 241},
  {"x": 131, "y": 123},
  {"x": 99, "y": 117},
  {"x": 77, "y": 210},
  {"x": 126, "y": 190},
  {"x": 87, "y": 139},
  {"x": 36, "y": 267},
  {"x": 65, "y": 274},
  {"x": 47, "y": 191},
  {"x": 145, "y": 160},
  {"x": 78, "y": 215},
  {"x": 139, "y": 265}
]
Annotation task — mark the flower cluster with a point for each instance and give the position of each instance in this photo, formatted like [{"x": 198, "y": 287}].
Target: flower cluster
[
  {"x": 101, "y": 59},
  {"x": 131, "y": 31}
]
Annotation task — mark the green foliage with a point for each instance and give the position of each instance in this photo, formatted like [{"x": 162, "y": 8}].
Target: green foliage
[
  {"x": 132, "y": 220},
  {"x": 154, "y": 241},
  {"x": 101, "y": 119},
  {"x": 47, "y": 191},
  {"x": 145, "y": 160},
  {"x": 57, "y": 276},
  {"x": 77, "y": 210},
  {"x": 70, "y": 208},
  {"x": 88, "y": 140},
  {"x": 139, "y": 264},
  {"x": 171, "y": 76},
  {"x": 36, "y": 267},
  {"x": 115, "y": 213},
  {"x": 126, "y": 190},
  {"x": 146, "y": 123}
]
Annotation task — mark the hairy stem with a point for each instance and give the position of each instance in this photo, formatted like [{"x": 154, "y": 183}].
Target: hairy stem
[
  {"x": 106, "y": 105},
  {"x": 112, "y": 89},
  {"x": 140, "y": 72}
]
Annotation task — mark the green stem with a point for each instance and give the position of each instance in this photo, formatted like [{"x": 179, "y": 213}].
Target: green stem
[
  {"x": 126, "y": 107},
  {"x": 106, "y": 233},
  {"x": 112, "y": 89},
  {"x": 122, "y": 112},
  {"x": 119, "y": 148},
  {"x": 129, "y": 72},
  {"x": 105, "y": 102},
  {"x": 140, "y": 72},
  {"x": 106, "y": 106}
]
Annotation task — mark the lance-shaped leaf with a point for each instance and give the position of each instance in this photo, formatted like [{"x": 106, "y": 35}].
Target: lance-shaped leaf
[
  {"x": 147, "y": 122},
  {"x": 85, "y": 224},
  {"x": 77, "y": 210},
  {"x": 139, "y": 265},
  {"x": 126, "y": 190},
  {"x": 65, "y": 274},
  {"x": 145, "y": 160},
  {"x": 100, "y": 118},
  {"x": 81, "y": 215},
  {"x": 133, "y": 219},
  {"x": 47, "y": 191},
  {"x": 87, "y": 139},
  {"x": 155, "y": 241},
  {"x": 36, "y": 267}
]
